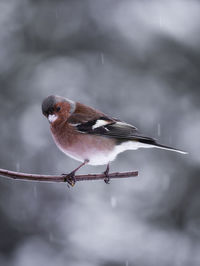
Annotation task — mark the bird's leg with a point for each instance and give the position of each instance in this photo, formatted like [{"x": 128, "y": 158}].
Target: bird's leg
[
  {"x": 107, "y": 179},
  {"x": 70, "y": 178}
]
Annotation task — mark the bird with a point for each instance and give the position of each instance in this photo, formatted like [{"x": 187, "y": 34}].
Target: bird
[{"x": 90, "y": 136}]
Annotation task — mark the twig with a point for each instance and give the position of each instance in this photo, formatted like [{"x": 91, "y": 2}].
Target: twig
[{"x": 62, "y": 178}]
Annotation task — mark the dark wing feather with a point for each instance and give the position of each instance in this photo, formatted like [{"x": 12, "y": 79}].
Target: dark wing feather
[
  {"x": 91, "y": 126},
  {"x": 117, "y": 129},
  {"x": 113, "y": 129}
]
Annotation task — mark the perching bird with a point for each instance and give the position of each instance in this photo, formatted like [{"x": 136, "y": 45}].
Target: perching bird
[{"x": 89, "y": 135}]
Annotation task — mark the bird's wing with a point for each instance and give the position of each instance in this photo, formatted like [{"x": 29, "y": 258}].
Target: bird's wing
[
  {"x": 90, "y": 121},
  {"x": 114, "y": 129},
  {"x": 108, "y": 127},
  {"x": 94, "y": 122}
]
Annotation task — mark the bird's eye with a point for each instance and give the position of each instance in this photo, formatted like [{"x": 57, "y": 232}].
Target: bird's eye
[{"x": 58, "y": 109}]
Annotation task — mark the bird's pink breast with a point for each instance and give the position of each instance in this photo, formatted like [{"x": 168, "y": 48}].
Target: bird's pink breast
[{"x": 84, "y": 146}]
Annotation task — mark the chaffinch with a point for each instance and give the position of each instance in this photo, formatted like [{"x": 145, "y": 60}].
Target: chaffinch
[{"x": 90, "y": 136}]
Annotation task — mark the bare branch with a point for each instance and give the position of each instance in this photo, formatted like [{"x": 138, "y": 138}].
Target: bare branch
[{"x": 63, "y": 178}]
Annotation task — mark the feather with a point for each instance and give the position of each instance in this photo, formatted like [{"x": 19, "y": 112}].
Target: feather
[{"x": 108, "y": 128}]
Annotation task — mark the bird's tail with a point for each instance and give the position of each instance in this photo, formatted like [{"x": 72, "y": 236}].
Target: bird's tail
[
  {"x": 160, "y": 146},
  {"x": 154, "y": 144}
]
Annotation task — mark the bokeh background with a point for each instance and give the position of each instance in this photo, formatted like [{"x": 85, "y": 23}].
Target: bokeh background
[{"x": 135, "y": 60}]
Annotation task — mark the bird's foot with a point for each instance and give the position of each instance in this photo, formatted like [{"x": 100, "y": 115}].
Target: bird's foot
[
  {"x": 70, "y": 178},
  {"x": 107, "y": 178}
]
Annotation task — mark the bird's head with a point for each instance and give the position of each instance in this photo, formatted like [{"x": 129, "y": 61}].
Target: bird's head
[{"x": 57, "y": 108}]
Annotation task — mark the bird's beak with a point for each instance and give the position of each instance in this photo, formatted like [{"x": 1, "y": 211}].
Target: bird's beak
[{"x": 52, "y": 118}]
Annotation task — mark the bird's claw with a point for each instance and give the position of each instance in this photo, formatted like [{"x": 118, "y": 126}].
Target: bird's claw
[
  {"x": 107, "y": 178},
  {"x": 70, "y": 178}
]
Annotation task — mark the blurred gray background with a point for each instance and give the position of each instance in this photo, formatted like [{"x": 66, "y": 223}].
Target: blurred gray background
[{"x": 135, "y": 60}]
